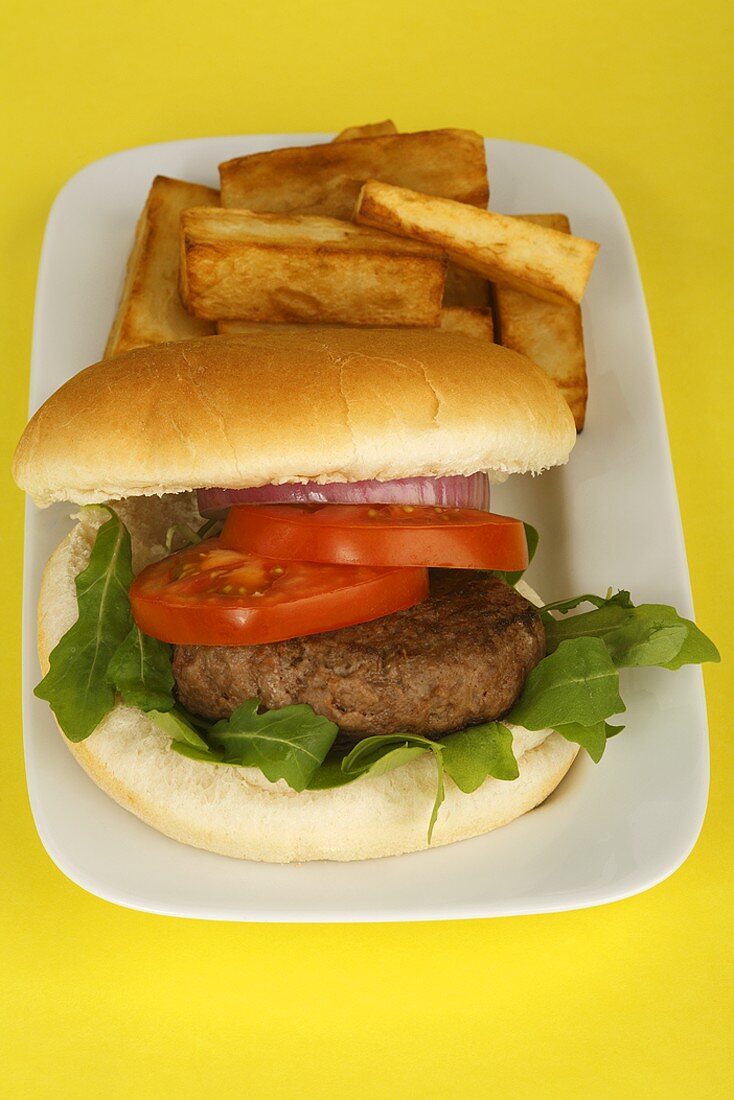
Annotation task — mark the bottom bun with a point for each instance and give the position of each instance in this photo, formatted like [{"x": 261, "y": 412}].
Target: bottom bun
[{"x": 236, "y": 811}]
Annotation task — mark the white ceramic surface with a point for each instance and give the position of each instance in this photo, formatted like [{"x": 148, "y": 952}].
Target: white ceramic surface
[{"x": 609, "y": 518}]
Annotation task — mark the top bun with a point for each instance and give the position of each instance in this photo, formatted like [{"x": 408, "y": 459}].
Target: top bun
[{"x": 289, "y": 404}]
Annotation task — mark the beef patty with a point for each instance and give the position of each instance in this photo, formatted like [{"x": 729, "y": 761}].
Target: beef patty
[{"x": 460, "y": 657}]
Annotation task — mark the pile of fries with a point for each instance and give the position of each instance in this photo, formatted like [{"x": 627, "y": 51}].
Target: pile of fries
[{"x": 374, "y": 228}]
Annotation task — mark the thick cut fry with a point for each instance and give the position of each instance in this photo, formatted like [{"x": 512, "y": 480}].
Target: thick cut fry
[
  {"x": 150, "y": 310},
  {"x": 509, "y": 251},
  {"x": 275, "y": 268},
  {"x": 325, "y": 179},
  {"x": 549, "y": 333},
  {"x": 232, "y": 325},
  {"x": 472, "y": 322},
  {"x": 465, "y": 288},
  {"x": 370, "y": 129}
]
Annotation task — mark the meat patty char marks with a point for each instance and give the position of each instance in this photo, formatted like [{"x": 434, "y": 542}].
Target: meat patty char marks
[{"x": 459, "y": 658}]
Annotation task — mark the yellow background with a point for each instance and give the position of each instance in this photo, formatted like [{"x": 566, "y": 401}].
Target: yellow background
[{"x": 627, "y": 1000}]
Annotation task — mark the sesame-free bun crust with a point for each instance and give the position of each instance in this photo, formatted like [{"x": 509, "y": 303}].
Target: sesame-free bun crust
[
  {"x": 236, "y": 811},
  {"x": 292, "y": 403}
]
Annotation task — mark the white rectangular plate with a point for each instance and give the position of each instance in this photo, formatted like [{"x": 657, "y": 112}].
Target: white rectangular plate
[{"x": 609, "y": 518}]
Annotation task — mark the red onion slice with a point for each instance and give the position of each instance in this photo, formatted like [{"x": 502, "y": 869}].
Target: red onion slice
[{"x": 452, "y": 492}]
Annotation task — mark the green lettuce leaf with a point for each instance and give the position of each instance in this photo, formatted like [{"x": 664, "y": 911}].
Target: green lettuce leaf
[
  {"x": 290, "y": 743},
  {"x": 384, "y": 752},
  {"x": 330, "y": 773},
  {"x": 390, "y": 753},
  {"x": 621, "y": 599},
  {"x": 380, "y": 754},
  {"x": 697, "y": 648},
  {"x": 281, "y": 745},
  {"x": 649, "y": 634},
  {"x": 205, "y": 756},
  {"x": 592, "y": 738},
  {"x": 76, "y": 685},
  {"x": 140, "y": 670},
  {"x": 186, "y": 740},
  {"x": 533, "y": 538},
  {"x": 474, "y": 753},
  {"x": 577, "y": 683},
  {"x": 468, "y": 756}
]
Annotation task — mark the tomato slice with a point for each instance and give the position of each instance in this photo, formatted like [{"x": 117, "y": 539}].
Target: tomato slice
[
  {"x": 212, "y": 595},
  {"x": 379, "y": 534}
]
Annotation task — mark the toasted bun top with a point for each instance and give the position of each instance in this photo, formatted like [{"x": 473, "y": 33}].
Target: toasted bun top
[{"x": 292, "y": 403}]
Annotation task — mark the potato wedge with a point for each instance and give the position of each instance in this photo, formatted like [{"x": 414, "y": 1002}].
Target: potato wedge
[
  {"x": 325, "y": 179},
  {"x": 509, "y": 251},
  {"x": 370, "y": 129},
  {"x": 549, "y": 333},
  {"x": 235, "y": 325},
  {"x": 472, "y": 322},
  {"x": 150, "y": 310},
  {"x": 465, "y": 288},
  {"x": 277, "y": 268}
]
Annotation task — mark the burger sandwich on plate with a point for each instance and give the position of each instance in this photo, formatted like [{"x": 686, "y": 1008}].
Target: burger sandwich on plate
[{"x": 287, "y": 625}]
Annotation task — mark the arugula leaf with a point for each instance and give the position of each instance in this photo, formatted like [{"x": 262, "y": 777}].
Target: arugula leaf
[
  {"x": 533, "y": 538},
  {"x": 381, "y": 754},
  {"x": 621, "y": 599},
  {"x": 696, "y": 649},
  {"x": 650, "y": 634},
  {"x": 140, "y": 670},
  {"x": 440, "y": 794},
  {"x": 180, "y": 729},
  {"x": 578, "y": 682},
  {"x": 329, "y": 774},
  {"x": 76, "y": 685},
  {"x": 592, "y": 738},
  {"x": 206, "y": 756},
  {"x": 332, "y": 772},
  {"x": 377, "y": 754},
  {"x": 468, "y": 756},
  {"x": 289, "y": 743},
  {"x": 472, "y": 754}
]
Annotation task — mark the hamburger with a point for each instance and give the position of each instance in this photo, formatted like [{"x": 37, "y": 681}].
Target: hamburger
[{"x": 286, "y": 625}]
